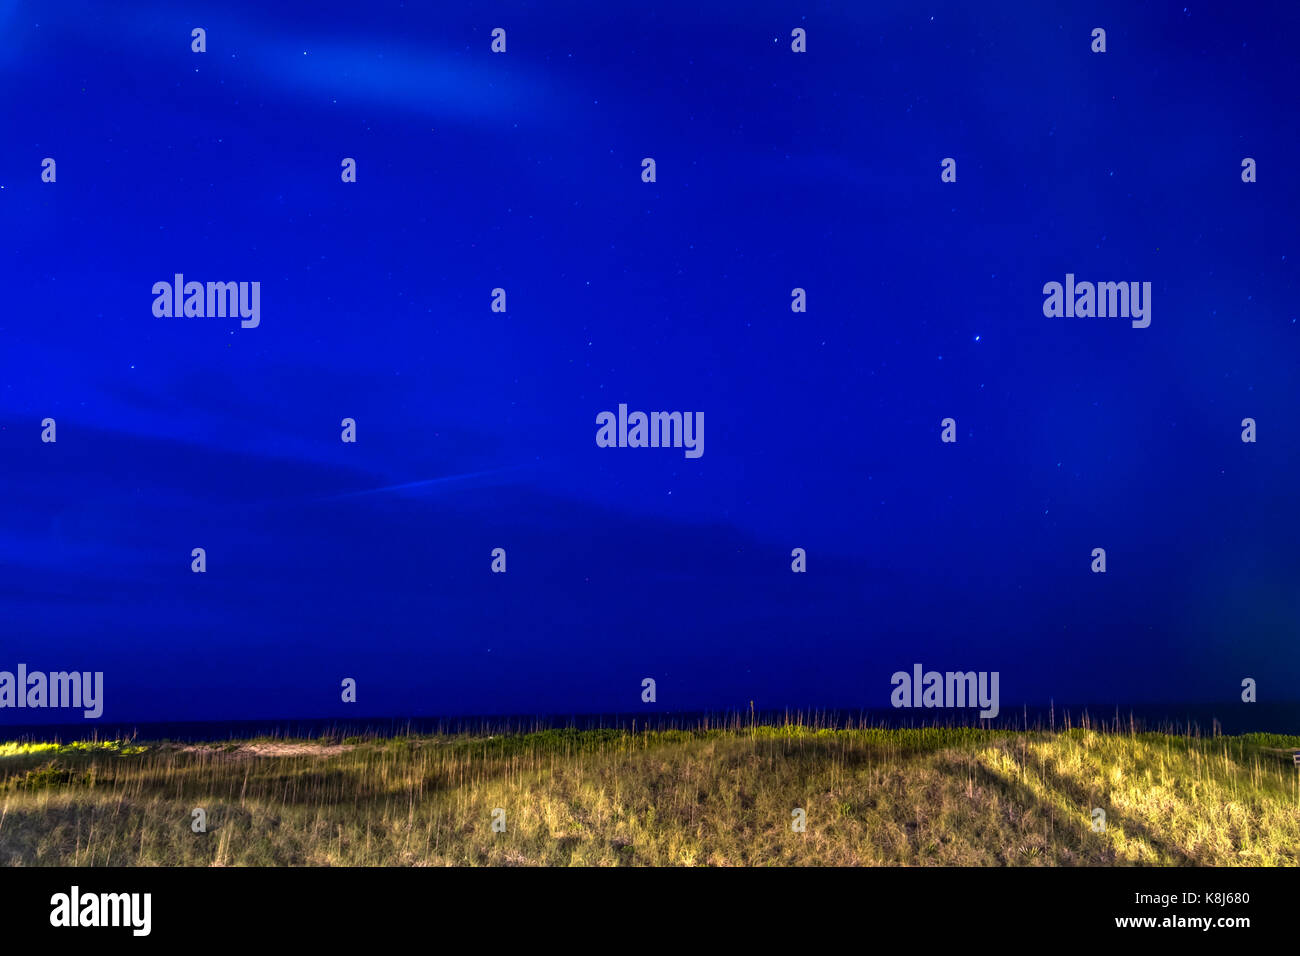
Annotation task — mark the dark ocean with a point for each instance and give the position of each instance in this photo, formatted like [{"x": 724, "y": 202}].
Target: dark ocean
[{"x": 1195, "y": 720}]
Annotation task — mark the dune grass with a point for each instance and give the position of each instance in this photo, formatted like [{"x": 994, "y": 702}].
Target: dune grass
[{"x": 927, "y": 796}]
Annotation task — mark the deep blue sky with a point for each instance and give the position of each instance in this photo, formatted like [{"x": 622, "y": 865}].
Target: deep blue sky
[{"x": 522, "y": 170}]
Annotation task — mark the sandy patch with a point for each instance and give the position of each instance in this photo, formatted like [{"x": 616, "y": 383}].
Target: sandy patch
[{"x": 269, "y": 749}]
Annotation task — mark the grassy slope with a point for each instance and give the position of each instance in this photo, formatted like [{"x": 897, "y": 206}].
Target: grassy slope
[{"x": 927, "y": 796}]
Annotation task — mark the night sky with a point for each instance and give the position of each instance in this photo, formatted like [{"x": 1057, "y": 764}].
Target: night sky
[{"x": 476, "y": 429}]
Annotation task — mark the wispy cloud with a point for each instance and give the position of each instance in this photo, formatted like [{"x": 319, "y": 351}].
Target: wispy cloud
[{"x": 473, "y": 479}]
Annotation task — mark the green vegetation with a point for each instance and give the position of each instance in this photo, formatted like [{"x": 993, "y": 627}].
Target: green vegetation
[
  {"x": 717, "y": 796},
  {"x": 23, "y": 749}
]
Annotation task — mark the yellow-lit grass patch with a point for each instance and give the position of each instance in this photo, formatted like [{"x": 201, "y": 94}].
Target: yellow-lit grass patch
[{"x": 930, "y": 796}]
